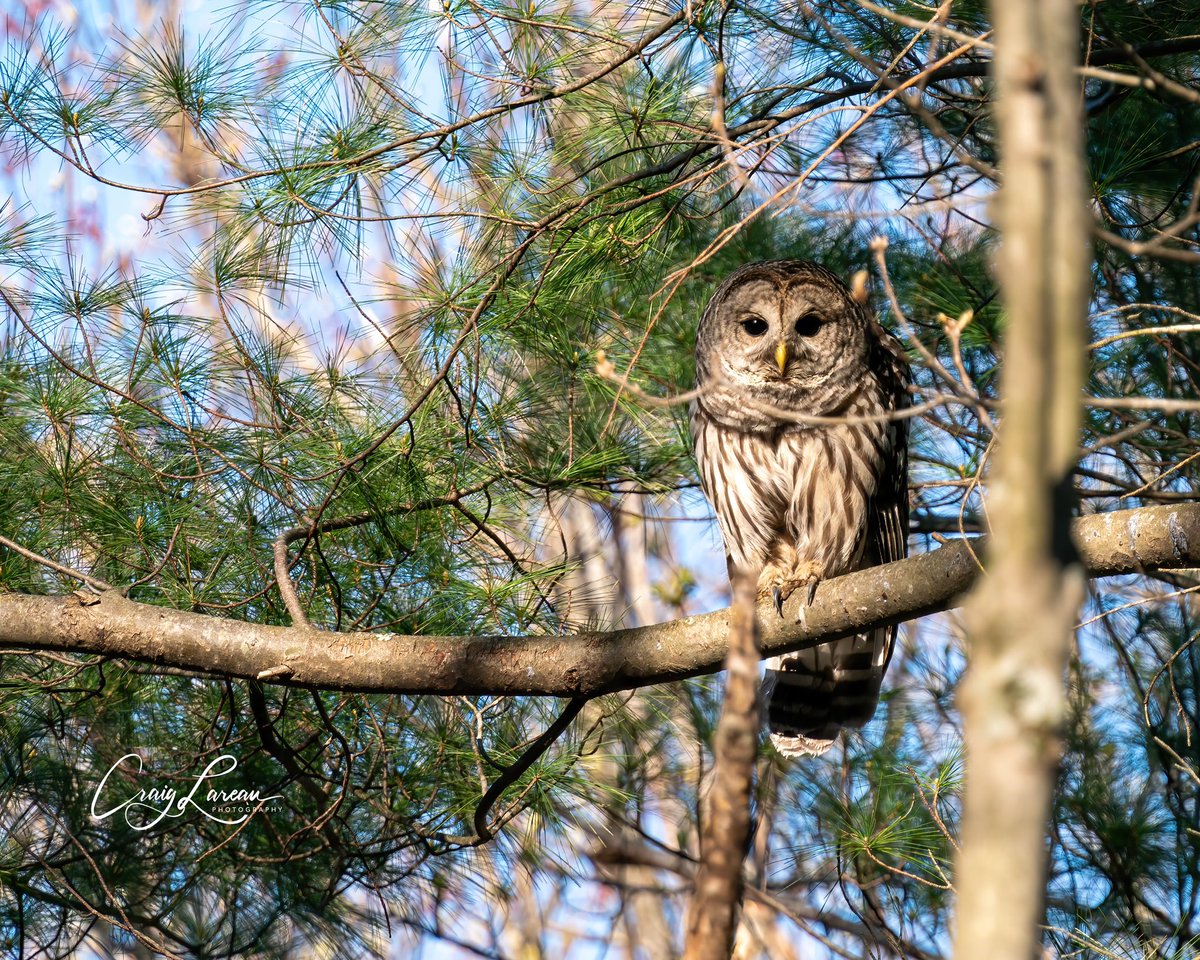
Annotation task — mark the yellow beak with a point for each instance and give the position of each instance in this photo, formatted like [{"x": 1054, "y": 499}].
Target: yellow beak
[{"x": 781, "y": 356}]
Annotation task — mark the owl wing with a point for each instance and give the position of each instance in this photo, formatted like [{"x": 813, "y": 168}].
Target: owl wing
[{"x": 887, "y": 524}]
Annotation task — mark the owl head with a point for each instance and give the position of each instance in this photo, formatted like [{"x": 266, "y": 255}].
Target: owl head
[{"x": 782, "y": 334}]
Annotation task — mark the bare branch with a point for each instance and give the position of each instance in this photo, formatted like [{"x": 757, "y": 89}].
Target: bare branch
[
  {"x": 712, "y": 915},
  {"x": 1122, "y": 542},
  {"x": 53, "y": 565}
]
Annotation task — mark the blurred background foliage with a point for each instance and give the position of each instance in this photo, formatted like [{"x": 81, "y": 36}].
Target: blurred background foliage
[{"x": 347, "y": 269}]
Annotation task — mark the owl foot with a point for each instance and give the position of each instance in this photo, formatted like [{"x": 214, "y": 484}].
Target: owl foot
[
  {"x": 778, "y": 592},
  {"x": 780, "y": 588}
]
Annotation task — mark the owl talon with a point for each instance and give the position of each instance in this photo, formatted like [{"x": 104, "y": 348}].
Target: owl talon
[
  {"x": 812, "y": 592},
  {"x": 777, "y": 599}
]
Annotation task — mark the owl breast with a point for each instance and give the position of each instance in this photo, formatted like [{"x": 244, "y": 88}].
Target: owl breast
[{"x": 793, "y": 503}]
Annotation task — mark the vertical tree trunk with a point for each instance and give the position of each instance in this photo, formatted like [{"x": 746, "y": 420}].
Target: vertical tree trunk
[
  {"x": 713, "y": 912},
  {"x": 1021, "y": 616}
]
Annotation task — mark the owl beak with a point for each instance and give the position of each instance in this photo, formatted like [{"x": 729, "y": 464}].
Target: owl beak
[{"x": 781, "y": 356}]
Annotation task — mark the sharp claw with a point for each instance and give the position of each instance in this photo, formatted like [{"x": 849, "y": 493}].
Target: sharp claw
[
  {"x": 777, "y": 597},
  {"x": 812, "y": 592}
]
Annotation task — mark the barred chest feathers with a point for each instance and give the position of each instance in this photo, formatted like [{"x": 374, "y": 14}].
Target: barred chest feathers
[{"x": 801, "y": 489}]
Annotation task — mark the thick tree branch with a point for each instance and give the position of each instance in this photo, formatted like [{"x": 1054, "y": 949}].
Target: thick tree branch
[{"x": 1126, "y": 541}]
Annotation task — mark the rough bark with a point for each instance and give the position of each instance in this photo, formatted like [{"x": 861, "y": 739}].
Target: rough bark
[
  {"x": 1126, "y": 541},
  {"x": 713, "y": 912},
  {"x": 1021, "y": 621}
]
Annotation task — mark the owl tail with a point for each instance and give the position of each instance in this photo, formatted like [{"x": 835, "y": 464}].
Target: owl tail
[{"x": 813, "y": 694}]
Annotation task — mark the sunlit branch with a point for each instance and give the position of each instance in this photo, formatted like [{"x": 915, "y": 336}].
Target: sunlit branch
[{"x": 585, "y": 664}]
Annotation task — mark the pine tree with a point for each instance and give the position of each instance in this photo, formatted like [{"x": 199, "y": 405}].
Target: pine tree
[{"x": 376, "y": 317}]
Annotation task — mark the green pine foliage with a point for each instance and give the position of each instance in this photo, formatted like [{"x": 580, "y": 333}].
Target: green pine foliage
[{"x": 375, "y": 271}]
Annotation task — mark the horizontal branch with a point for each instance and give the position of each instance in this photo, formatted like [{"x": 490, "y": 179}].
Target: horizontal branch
[{"x": 1123, "y": 542}]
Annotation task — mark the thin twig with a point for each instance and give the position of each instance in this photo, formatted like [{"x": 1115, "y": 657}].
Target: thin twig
[
  {"x": 513, "y": 772},
  {"x": 53, "y": 565}
]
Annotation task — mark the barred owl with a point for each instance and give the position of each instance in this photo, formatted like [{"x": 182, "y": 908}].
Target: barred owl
[{"x": 798, "y": 503}]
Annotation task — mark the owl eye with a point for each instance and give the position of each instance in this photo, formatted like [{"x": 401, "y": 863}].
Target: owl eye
[
  {"x": 808, "y": 325},
  {"x": 755, "y": 326}
]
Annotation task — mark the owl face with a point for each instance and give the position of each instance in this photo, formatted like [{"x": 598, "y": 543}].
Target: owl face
[{"x": 785, "y": 334}]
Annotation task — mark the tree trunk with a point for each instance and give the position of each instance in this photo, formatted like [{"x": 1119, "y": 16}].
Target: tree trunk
[
  {"x": 717, "y": 895},
  {"x": 1021, "y": 616}
]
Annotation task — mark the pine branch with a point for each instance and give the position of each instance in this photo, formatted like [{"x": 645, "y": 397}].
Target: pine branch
[{"x": 587, "y": 664}]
